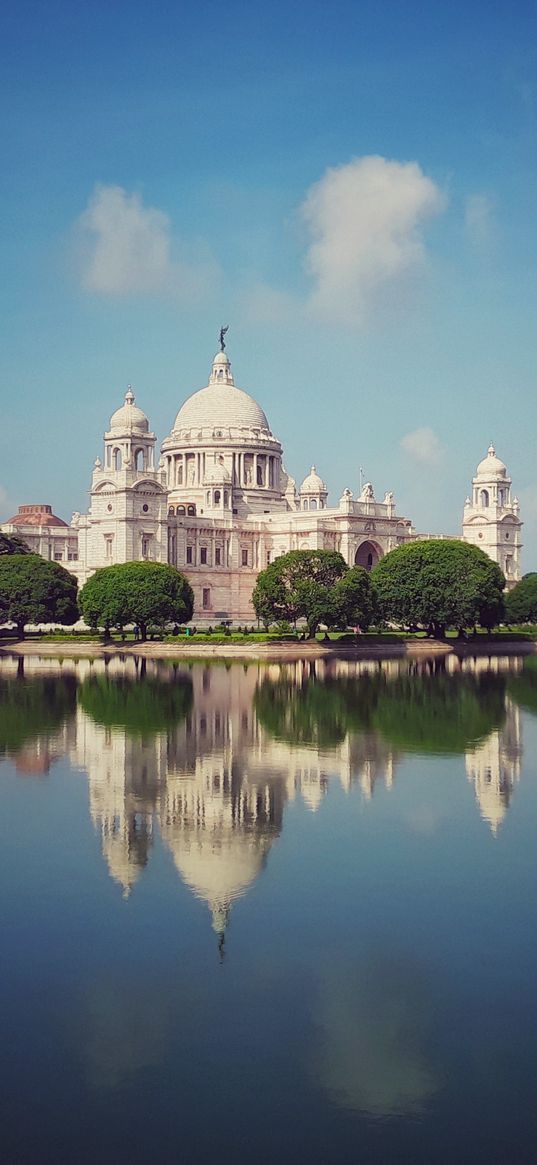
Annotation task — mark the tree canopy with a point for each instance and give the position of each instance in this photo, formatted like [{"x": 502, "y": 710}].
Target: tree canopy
[
  {"x": 12, "y": 544},
  {"x": 315, "y": 585},
  {"x": 439, "y": 584},
  {"x": 144, "y": 593},
  {"x": 33, "y": 590},
  {"x": 521, "y": 602}
]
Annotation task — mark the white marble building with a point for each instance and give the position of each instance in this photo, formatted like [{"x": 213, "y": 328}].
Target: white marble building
[{"x": 220, "y": 506}]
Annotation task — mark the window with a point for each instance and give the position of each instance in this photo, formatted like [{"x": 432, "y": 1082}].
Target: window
[
  {"x": 110, "y": 507},
  {"x": 58, "y": 555},
  {"x": 218, "y": 556},
  {"x": 146, "y": 546},
  {"x": 139, "y": 461},
  {"x": 217, "y": 497},
  {"x": 206, "y": 598},
  {"x": 269, "y": 556},
  {"x": 108, "y": 545},
  {"x": 145, "y": 507},
  {"x": 244, "y": 556},
  {"x": 116, "y": 458},
  {"x": 72, "y": 556},
  {"x": 260, "y": 475},
  {"x": 180, "y": 511},
  {"x": 484, "y": 497},
  {"x": 203, "y": 555},
  {"x": 191, "y": 511},
  {"x": 189, "y": 555}
]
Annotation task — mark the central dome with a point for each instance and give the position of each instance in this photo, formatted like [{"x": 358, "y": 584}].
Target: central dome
[{"x": 221, "y": 405}]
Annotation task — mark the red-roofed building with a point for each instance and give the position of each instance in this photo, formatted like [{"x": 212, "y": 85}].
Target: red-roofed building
[{"x": 44, "y": 533}]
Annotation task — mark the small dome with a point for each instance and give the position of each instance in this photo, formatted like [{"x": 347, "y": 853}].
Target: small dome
[
  {"x": 35, "y": 516},
  {"x": 313, "y": 484},
  {"x": 217, "y": 473},
  {"x": 129, "y": 416},
  {"x": 491, "y": 466},
  {"x": 221, "y": 405}
]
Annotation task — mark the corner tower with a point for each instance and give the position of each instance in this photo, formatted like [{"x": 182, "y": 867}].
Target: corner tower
[
  {"x": 127, "y": 521},
  {"x": 491, "y": 519}
]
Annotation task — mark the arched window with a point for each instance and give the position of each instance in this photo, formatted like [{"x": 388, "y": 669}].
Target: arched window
[
  {"x": 139, "y": 459},
  {"x": 226, "y": 497},
  {"x": 259, "y": 475},
  {"x": 171, "y": 511},
  {"x": 484, "y": 497},
  {"x": 313, "y": 504},
  {"x": 179, "y": 477},
  {"x": 191, "y": 511},
  {"x": 305, "y": 504},
  {"x": 217, "y": 497},
  {"x": 367, "y": 555},
  {"x": 116, "y": 458}
]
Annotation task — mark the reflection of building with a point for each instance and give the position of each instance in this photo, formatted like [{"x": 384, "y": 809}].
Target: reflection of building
[
  {"x": 220, "y": 505},
  {"x": 124, "y": 774},
  {"x": 216, "y": 783},
  {"x": 494, "y": 767}
]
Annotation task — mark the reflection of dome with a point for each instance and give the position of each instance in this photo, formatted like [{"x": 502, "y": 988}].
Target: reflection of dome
[
  {"x": 491, "y": 466},
  {"x": 219, "y": 868},
  {"x": 221, "y": 404},
  {"x": 313, "y": 484},
  {"x": 129, "y": 416}
]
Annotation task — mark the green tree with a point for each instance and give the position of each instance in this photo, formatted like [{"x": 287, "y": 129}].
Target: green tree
[
  {"x": 12, "y": 544},
  {"x": 300, "y": 585},
  {"x": 439, "y": 584},
  {"x": 33, "y": 590},
  {"x": 145, "y": 593},
  {"x": 521, "y": 602},
  {"x": 354, "y": 598}
]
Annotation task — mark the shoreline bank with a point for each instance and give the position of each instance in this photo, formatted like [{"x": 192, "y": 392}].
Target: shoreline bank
[{"x": 271, "y": 652}]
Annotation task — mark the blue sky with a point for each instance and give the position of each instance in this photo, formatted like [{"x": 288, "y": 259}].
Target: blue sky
[{"x": 350, "y": 186}]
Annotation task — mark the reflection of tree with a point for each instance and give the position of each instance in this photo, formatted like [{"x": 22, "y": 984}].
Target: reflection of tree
[
  {"x": 315, "y": 712},
  {"x": 440, "y": 713},
  {"x": 141, "y": 707},
  {"x": 414, "y": 713},
  {"x": 523, "y": 687},
  {"x": 30, "y": 708}
]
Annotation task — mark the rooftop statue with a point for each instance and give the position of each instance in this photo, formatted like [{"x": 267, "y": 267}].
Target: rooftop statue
[{"x": 223, "y": 331}]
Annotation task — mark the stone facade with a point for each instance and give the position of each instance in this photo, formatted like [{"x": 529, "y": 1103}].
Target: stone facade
[{"x": 220, "y": 505}]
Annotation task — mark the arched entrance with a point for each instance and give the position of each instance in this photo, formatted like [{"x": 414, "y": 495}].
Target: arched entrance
[{"x": 367, "y": 555}]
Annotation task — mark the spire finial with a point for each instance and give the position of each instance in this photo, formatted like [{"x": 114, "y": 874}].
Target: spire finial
[
  {"x": 223, "y": 330},
  {"x": 129, "y": 395}
]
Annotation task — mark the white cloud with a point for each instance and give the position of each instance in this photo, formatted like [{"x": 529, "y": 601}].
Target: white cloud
[
  {"x": 479, "y": 219},
  {"x": 127, "y": 249},
  {"x": 423, "y": 446},
  {"x": 365, "y": 220}
]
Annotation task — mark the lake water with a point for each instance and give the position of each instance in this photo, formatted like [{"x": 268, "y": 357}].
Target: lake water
[{"x": 268, "y": 913}]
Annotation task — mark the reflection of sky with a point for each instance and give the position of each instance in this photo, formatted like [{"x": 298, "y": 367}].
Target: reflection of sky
[{"x": 382, "y": 963}]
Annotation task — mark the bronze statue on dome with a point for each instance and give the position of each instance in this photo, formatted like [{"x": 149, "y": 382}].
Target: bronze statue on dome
[{"x": 223, "y": 331}]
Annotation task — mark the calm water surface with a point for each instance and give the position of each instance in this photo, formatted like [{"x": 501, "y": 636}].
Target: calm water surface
[{"x": 268, "y": 913}]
